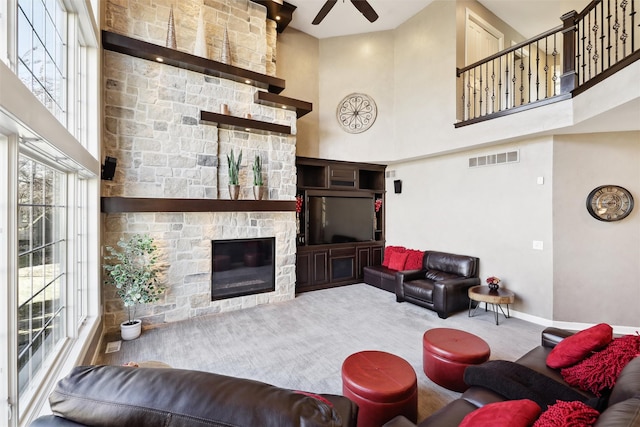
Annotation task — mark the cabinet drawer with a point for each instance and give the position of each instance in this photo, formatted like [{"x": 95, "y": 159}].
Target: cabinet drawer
[{"x": 342, "y": 252}]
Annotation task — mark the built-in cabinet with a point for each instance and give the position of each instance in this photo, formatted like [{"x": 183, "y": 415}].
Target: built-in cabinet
[{"x": 340, "y": 230}]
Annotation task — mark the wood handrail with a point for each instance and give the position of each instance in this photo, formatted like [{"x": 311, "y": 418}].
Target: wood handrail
[{"x": 513, "y": 48}]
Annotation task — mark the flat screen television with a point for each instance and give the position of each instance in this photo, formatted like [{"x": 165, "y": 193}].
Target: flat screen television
[{"x": 339, "y": 219}]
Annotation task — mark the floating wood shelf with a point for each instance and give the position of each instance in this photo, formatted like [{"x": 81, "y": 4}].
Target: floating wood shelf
[
  {"x": 153, "y": 52},
  {"x": 134, "y": 204},
  {"x": 274, "y": 100},
  {"x": 226, "y": 121}
]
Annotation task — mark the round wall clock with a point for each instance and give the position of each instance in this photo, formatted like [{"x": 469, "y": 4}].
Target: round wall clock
[
  {"x": 356, "y": 113},
  {"x": 609, "y": 203}
]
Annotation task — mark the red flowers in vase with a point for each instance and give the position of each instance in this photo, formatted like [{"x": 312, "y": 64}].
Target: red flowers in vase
[
  {"x": 378, "y": 204},
  {"x": 299, "y": 203},
  {"x": 493, "y": 283}
]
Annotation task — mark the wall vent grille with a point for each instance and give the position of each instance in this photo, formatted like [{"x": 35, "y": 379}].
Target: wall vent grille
[{"x": 495, "y": 159}]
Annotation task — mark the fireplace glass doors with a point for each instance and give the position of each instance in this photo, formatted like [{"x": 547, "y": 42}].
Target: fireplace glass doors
[{"x": 242, "y": 267}]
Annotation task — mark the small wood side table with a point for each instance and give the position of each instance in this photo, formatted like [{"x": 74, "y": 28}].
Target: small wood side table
[{"x": 487, "y": 296}]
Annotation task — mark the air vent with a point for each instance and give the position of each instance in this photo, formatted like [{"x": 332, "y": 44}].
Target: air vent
[
  {"x": 494, "y": 159},
  {"x": 113, "y": 346}
]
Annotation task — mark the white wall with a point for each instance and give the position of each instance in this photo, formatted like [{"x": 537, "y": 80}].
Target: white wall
[
  {"x": 298, "y": 65},
  {"x": 363, "y": 64},
  {"x": 492, "y": 212},
  {"x": 596, "y": 264}
]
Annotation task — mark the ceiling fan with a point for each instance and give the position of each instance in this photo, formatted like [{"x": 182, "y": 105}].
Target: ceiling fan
[{"x": 362, "y": 5}]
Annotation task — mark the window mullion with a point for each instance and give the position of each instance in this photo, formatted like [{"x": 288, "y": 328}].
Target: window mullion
[{"x": 8, "y": 275}]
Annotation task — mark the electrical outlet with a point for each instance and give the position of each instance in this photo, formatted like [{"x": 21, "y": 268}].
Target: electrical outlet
[{"x": 538, "y": 245}]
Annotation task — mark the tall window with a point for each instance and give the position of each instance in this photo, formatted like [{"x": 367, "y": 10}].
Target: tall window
[
  {"x": 41, "y": 52},
  {"x": 41, "y": 266},
  {"x": 49, "y": 226}
]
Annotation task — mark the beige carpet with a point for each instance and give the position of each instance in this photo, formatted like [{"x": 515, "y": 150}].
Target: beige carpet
[{"x": 300, "y": 344}]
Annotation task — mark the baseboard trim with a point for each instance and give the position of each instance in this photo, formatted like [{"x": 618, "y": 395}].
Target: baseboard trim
[{"x": 571, "y": 326}]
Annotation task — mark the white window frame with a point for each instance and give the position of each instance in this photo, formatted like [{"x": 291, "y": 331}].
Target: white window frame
[{"x": 79, "y": 156}]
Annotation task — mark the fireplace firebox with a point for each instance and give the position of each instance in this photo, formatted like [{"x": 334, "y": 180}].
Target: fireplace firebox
[{"x": 242, "y": 267}]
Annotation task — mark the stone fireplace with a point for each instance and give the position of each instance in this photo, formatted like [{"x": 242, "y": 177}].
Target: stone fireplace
[{"x": 152, "y": 126}]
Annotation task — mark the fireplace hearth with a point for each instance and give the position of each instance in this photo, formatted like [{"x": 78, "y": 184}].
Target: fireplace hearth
[{"x": 242, "y": 267}]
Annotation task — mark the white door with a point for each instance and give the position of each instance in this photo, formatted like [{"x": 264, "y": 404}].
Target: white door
[{"x": 481, "y": 41}]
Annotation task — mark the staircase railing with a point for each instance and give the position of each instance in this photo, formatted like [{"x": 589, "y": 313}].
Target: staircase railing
[{"x": 558, "y": 64}]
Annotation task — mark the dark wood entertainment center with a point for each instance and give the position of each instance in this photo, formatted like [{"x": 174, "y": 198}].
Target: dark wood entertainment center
[{"x": 321, "y": 265}]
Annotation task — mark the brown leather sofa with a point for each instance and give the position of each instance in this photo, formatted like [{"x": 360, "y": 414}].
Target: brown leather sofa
[
  {"x": 381, "y": 277},
  {"x": 151, "y": 397},
  {"x": 442, "y": 283},
  {"x": 622, "y": 409}
]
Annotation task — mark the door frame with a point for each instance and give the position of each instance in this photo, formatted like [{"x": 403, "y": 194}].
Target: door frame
[{"x": 472, "y": 16}]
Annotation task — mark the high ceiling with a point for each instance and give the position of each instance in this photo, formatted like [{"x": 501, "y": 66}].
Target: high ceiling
[{"x": 529, "y": 17}]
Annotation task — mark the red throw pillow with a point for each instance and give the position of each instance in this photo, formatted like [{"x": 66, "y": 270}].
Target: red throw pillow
[
  {"x": 398, "y": 259},
  {"x": 601, "y": 370},
  {"x": 573, "y": 349},
  {"x": 567, "y": 414},
  {"x": 390, "y": 250},
  {"x": 414, "y": 260},
  {"x": 512, "y": 413}
]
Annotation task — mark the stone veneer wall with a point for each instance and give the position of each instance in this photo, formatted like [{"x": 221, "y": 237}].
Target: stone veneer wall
[{"x": 151, "y": 125}]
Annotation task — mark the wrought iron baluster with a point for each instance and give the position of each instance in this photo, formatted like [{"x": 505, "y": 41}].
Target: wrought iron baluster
[
  {"x": 624, "y": 36},
  {"x": 469, "y": 95},
  {"x": 555, "y": 65},
  {"x": 609, "y": 33},
  {"x": 546, "y": 67},
  {"x": 500, "y": 84},
  {"x": 493, "y": 85},
  {"x": 506, "y": 85},
  {"x": 537, "y": 70},
  {"x": 595, "y": 29},
  {"x": 633, "y": 26},
  {"x": 472, "y": 94},
  {"x": 479, "y": 89},
  {"x": 521, "y": 88},
  {"x": 602, "y": 36},
  {"x": 589, "y": 45},
  {"x": 616, "y": 27}
]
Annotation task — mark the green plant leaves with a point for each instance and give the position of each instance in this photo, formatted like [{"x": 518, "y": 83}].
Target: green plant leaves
[{"x": 132, "y": 268}]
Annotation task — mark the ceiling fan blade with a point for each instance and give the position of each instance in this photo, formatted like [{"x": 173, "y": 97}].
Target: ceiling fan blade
[
  {"x": 365, "y": 8},
  {"x": 323, "y": 12}
]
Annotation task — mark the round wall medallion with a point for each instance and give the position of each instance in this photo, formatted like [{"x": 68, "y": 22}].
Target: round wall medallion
[
  {"x": 356, "y": 112},
  {"x": 609, "y": 203}
]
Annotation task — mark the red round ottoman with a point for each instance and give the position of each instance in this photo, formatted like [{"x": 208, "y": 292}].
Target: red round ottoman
[
  {"x": 382, "y": 385},
  {"x": 446, "y": 354}
]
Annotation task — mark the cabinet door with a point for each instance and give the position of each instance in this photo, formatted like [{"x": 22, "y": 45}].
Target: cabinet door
[
  {"x": 320, "y": 268},
  {"x": 364, "y": 260},
  {"x": 342, "y": 177},
  {"x": 376, "y": 255},
  {"x": 303, "y": 269}
]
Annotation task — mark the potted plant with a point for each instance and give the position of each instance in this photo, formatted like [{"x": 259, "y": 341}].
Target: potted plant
[
  {"x": 234, "y": 168},
  {"x": 258, "y": 183},
  {"x": 133, "y": 269}
]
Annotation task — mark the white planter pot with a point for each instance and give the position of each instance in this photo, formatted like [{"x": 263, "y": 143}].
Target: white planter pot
[{"x": 132, "y": 331}]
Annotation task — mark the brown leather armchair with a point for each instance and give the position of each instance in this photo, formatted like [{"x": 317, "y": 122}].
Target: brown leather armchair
[{"x": 442, "y": 283}]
